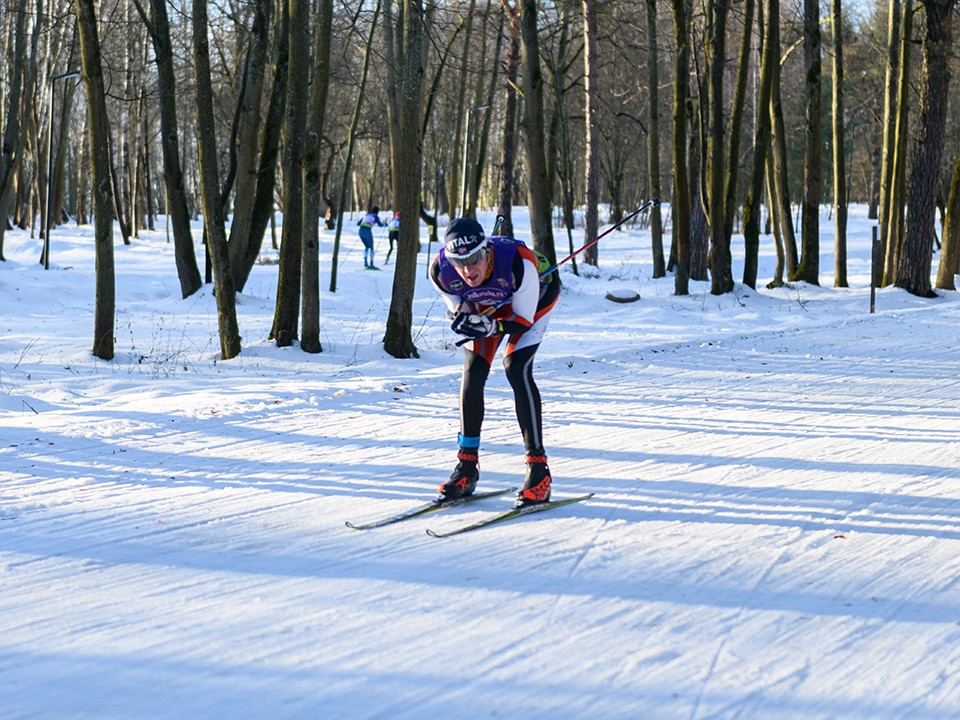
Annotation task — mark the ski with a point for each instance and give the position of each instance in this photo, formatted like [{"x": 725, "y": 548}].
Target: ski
[
  {"x": 510, "y": 515},
  {"x": 430, "y": 507}
]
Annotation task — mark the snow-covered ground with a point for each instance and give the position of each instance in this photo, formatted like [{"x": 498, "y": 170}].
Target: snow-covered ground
[{"x": 775, "y": 531}]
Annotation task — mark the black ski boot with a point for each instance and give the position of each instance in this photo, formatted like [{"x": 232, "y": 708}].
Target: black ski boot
[
  {"x": 463, "y": 479},
  {"x": 536, "y": 486}
]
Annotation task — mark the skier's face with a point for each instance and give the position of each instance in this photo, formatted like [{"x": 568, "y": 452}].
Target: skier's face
[{"x": 474, "y": 273}]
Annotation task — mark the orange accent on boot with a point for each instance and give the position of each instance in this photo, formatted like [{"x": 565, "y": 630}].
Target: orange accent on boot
[
  {"x": 467, "y": 457},
  {"x": 536, "y": 459},
  {"x": 538, "y": 493}
]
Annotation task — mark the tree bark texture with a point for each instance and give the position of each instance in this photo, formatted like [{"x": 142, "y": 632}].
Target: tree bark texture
[
  {"x": 287, "y": 314},
  {"x": 213, "y": 220},
  {"x": 538, "y": 191},
  {"x": 591, "y": 71},
  {"x": 681, "y": 185},
  {"x": 99, "y": 124},
  {"x": 913, "y": 270},
  {"x": 839, "y": 153},
  {"x": 809, "y": 268},
  {"x": 761, "y": 152},
  {"x": 185, "y": 255},
  {"x": 398, "y": 340},
  {"x": 508, "y": 157},
  {"x": 653, "y": 141},
  {"x": 312, "y": 196}
]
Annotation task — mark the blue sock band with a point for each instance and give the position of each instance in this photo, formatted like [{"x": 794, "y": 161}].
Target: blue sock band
[{"x": 471, "y": 443}]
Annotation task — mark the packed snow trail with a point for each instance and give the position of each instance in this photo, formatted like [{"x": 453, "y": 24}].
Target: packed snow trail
[{"x": 775, "y": 531}]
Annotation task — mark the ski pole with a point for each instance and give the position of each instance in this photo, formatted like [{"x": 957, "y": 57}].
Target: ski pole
[{"x": 653, "y": 202}]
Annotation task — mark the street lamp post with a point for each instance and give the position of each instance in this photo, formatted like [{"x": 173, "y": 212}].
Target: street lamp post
[
  {"x": 46, "y": 225},
  {"x": 466, "y": 138}
]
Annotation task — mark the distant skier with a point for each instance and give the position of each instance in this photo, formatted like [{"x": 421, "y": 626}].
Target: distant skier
[
  {"x": 393, "y": 234},
  {"x": 366, "y": 236},
  {"x": 473, "y": 274}
]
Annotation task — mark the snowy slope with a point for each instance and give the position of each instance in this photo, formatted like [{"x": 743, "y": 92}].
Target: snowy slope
[{"x": 775, "y": 532}]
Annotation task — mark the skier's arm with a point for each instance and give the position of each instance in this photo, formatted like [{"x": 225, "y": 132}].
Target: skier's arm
[{"x": 523, "y": 304}]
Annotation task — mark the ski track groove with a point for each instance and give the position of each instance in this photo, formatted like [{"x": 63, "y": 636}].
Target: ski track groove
[{"x": 734, "y": 623}]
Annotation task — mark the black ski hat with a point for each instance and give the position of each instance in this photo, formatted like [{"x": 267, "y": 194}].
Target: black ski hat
[{"x": 464, "y": 236}]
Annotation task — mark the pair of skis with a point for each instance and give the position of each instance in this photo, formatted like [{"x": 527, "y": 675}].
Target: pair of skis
[{"x": 437, "y": 505}]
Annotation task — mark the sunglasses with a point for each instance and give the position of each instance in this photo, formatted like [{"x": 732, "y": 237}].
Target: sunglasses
[{"x": 469, "y": 260}]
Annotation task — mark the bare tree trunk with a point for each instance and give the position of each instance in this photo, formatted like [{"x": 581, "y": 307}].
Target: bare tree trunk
[
  {"x": 653, "y": 141},
  {"x": 733, "y": 134},
  {"x": 896, "y": 195},
  {"x": 890, "y": 113},
  {"x": 310, "y": 300},
  {"x": 508, "y": 157},
  {"x": 681, "y": 185},
  {"x": 183, "y": 249},
  {"x": 721, "y": 274},
  {"x": 809, "y": 267},
  {"x": 781, "y": 184},
  {"x": 11, "y": 132},
  {"x": 591, "y": 180},
  {"x": 247, "y": 145},
  {"x": 538, "y": 192},
  {"x": 776, "y": 222},
  {"x": 839, "y": 157},
  {"x": 286, "y": 317},
  {"x": 456, "y": 202},
  {"x": 105, "y": 309},
  {"x": 397, "y": 339},
  {"x": 213, "y": 219},
  {"x": 476, "y": 174},
  {"x": 263, "y": 199},
  {"x": 913, "y": 269},
  {"x": 393, "y": 61},
  {"x": 348, "y": 159},
  {"x": 761, "y": 147},
  {"x": 950, "y": 255}
]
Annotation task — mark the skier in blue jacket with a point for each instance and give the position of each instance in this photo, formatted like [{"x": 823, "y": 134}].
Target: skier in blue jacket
[{"x": 366, "y": 236}]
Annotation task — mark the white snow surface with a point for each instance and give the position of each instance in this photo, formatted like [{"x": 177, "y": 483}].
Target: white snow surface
[{"x": 775, "y": 531}]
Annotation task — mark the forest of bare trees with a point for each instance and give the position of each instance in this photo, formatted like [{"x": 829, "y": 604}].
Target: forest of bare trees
[{"x": 147, "y": 114}]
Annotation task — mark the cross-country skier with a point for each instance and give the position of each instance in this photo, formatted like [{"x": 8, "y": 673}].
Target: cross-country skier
[
  {"x": 474, "y": 274},
  {"x": 393, "y": 234},
  {"x": 366, "y": 236}
]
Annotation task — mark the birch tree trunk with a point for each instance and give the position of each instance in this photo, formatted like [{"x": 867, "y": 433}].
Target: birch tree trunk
[{"x": 592, "y": 129}]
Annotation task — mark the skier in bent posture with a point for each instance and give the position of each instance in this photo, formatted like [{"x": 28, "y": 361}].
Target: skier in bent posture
[{"x": 473, "y": 274}]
